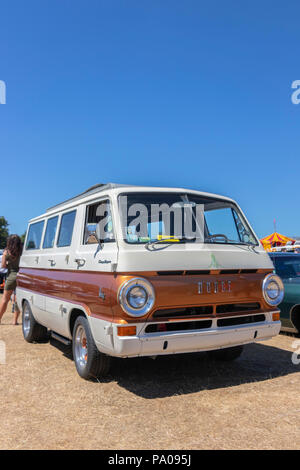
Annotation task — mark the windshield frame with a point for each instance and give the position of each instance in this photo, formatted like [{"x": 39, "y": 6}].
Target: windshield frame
[{"x": 230, "y": 204}]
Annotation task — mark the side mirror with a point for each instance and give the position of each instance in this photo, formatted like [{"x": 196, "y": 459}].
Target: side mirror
[
  {"x": 98, "y": 234},
  {"x": 92, "y": 234}
]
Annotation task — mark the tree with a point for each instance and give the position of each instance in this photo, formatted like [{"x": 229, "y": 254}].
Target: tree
[
  {"x": 3, "y": 231},
  {"x": 23, "y": 237}
]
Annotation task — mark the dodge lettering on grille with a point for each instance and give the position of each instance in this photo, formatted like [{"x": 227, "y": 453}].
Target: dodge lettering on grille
[{"x": 214, "y": 287}]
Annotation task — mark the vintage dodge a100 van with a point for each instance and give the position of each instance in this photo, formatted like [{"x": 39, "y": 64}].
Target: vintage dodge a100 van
[{"x": 132, "y": 271}]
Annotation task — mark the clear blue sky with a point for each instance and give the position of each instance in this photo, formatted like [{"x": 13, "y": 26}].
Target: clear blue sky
[{"x": 174, "y": 93}]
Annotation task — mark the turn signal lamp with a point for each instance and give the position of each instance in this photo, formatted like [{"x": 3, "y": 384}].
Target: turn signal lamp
[
  {"x": 126, "y": 330},
  {"x": 276, "y": 316}
]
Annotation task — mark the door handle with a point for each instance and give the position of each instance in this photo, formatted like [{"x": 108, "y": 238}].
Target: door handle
[
  {"x": 80, "y": 262},
  {"x": 52, "y": 262}
]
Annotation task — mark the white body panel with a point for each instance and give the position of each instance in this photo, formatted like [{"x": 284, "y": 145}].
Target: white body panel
[
  {"x": 56, "y": 318},
  {"x": 190, "y": 256}
]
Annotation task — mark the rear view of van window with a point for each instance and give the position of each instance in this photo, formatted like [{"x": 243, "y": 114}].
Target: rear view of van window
[
  {"x": 50, "y": 233},
  {"x": 34, "y": 236},
  {"x": 66, "y": 229}
]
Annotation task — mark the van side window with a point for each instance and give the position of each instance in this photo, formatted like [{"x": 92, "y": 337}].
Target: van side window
[
  {"x": 34, "y": 236},
  {"x": 50, "y": 232},
  {"x": 66, "y": 229},
  {"x": 99, "y": 213}
]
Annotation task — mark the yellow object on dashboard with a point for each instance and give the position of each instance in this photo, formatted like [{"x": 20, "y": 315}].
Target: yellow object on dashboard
[{"x": 169, "y": 238}]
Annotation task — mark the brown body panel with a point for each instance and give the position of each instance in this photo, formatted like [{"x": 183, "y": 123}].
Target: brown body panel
[
  {"x": 172, "y": 291},
  {"x": 81, "y": 288}
]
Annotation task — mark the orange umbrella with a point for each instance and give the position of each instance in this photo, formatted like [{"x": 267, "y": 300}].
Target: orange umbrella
[{"x": 275, "y": 239}]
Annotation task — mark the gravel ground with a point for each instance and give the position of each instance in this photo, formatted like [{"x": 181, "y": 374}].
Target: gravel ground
[{"x": 174, "y": 402}]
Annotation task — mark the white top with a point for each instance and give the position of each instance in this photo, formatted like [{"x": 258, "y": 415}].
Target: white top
[{"x": 116, "y": 189}]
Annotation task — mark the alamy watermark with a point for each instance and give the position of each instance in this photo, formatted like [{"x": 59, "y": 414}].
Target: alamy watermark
[
  {"x": 296, "y": 94},
  {"x": 2, "y": 353},
  {"x": 183, "y": 219},
  {"x": 2, "y": 92}
]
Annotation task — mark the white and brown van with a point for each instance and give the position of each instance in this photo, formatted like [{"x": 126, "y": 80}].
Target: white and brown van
[{"x": 109, "y": 271}]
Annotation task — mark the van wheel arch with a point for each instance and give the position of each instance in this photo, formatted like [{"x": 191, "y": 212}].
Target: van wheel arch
[
  {"x": 295, "y": 317},
  {"x": 75, "y": 313}
]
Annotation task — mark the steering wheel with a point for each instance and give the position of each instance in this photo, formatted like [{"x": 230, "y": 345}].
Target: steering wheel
[{"x": 217, "y": 235}]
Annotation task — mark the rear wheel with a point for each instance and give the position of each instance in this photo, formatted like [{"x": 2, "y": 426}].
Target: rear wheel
[
  {"x": 33, "y": 332},
  {"x": 227, "y": 354},
  {"x": 90, "y": 363}
]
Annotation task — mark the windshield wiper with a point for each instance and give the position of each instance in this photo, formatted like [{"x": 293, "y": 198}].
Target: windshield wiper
[{"x": 162, "y": 241}]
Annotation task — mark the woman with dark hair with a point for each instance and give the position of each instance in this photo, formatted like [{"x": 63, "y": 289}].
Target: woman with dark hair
[{"x": 10, "y": 260}]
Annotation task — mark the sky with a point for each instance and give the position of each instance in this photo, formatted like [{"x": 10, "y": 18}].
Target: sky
[{"x": 190, "y": 93}]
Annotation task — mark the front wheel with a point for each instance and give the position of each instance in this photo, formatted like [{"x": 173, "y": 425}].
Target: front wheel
[
  {"x": 227, "y": 354},
  {"x": 90, "y": 363}
]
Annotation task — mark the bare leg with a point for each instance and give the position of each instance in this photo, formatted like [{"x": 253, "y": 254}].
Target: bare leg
[
  {"x": 4, "y": 302},
  {"x": 16, "y": 310},
  {"x": 16, "y": 316}
]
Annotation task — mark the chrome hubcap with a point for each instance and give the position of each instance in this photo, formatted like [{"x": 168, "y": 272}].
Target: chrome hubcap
[
  {"x": 26, "y": 321},
  {"x": 81, "y": 352}
]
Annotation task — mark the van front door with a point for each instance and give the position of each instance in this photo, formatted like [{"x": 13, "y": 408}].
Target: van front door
[
  {"x": 93, "y": 254},
  {"x": 94, "y": 262}
]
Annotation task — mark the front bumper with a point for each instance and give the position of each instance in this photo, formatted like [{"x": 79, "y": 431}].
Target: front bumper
[{"x": 153, "y": 344}]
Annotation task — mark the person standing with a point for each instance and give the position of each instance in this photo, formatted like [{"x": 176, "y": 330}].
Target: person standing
[{"x": 10, "y": 260}]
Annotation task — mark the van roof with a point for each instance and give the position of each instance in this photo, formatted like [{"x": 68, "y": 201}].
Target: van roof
[
  {"x": 96, "y": 188},
  {"x": 105, "y": 187}
]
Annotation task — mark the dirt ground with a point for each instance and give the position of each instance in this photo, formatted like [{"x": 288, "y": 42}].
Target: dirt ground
[{"x": 174, "y": 402}]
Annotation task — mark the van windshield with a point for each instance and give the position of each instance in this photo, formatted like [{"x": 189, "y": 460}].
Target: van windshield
[{"x": 182, "y": 218}]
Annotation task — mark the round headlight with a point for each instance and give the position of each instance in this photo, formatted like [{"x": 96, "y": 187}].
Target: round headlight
[
  {"x": 273, "y": 289},
  {"x": 136, "y": 297}
]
